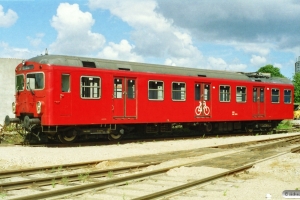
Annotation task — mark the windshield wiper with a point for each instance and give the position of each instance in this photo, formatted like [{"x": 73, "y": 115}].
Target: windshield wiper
[{"x": 28, "y": 85}]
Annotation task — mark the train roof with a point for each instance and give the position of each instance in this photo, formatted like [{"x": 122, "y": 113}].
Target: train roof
[{"x": 75, "y": 61}]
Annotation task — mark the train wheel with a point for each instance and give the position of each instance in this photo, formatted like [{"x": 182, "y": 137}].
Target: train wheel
[
  {"x": 116, "y": 135},
  {"x": 249, "y": 129},
  {"x": 67, "y": 137}
]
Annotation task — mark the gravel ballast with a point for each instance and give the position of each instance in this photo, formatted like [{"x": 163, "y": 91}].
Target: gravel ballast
[{"x": 269, "y": 178}]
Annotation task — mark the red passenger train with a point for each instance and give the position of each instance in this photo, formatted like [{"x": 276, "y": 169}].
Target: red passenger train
[{"x": 69, "y": 97}]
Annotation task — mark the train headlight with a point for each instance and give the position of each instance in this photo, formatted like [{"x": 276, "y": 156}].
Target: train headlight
[
  {"x": 13, "y": 107},
  {"x": 38, "y": 107}
]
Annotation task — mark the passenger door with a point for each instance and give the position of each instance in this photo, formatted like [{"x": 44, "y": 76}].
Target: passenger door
[
  {"x": 124, "y": 97},
  {"x": 65, "y": 95},
  {"x": 202, "y": 101},
  {"x": 258, "y": 107}
]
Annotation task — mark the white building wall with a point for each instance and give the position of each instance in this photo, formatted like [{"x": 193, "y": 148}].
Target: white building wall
[{"x": 7, "y": 86}]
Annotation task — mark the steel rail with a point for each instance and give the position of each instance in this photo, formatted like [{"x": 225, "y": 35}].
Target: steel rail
[
  {"x": 98, "y": 185},
  {"x": 193, "y": 183},
  {"x": 295, "y": 150},
  {"x": 71, "y": 177},
  {"x": 179, "y": 188},
  {"x": 28, "y": 171}
]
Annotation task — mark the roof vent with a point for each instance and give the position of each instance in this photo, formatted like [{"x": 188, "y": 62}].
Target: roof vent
[
  {"x": 125, "y": 69},
  {"x": 88, "y": 64}
]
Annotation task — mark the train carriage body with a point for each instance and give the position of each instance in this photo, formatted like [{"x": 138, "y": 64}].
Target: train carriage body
[{"x": 70, "y": 96}]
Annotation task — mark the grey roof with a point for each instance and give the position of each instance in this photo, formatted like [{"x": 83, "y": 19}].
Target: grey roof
[{"x": 150, "y": 68}]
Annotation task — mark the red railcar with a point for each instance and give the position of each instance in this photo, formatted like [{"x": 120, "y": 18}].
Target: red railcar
[{"x": 71, "y": 97}]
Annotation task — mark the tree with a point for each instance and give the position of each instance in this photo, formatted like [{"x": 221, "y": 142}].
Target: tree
[
  {"x": 274, "y": 71},
  {"x": 296, "y": 82}
]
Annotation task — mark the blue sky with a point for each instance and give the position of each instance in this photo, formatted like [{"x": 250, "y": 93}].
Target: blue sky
[{"x": 231, "y": 35}]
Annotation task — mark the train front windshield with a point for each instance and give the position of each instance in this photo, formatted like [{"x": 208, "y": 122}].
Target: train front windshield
[{"x": 34, "y": 81}]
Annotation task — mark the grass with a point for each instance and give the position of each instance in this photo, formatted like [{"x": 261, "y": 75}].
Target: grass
[
  {"x": 110, "y": 174},
  {"x": 65, "y": 181},
  {"x": 83, "y": 177},
  {"x": 2, "y": 195},
  {"x": 225, "y": 193},
  {"x": 285, "y": 124},
  {"x": 53, "y": 183}
]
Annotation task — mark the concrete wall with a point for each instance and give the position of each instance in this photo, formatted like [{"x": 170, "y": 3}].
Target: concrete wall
[{"x": 7, "y": 86}]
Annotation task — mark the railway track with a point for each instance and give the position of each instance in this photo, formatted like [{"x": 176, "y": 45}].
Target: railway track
[
  {"x": 132, "y": 176},
  {"x": 137, "y": 140}
]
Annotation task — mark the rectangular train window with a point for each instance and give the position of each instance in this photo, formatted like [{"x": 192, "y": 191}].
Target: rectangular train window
[
  {"x": 240, "y": 94},
  {"x": 156, "y": 90},
  {"x": 198, "y": 94},
  {"x": 275, "y": 95},
  {"x": 130, "y": 89},
  {"x": 35, "y": 81},
  {"x": 90, "y": 87},
  {"x": 224, "y": 93},
  {"x": 258, "y": 95},
  {"x": 65, "y": 82},
  {"x": 20, "y": 82},
  {"x": 178, "y": 91},
  {"x": 118, "y": 88},
  {"x": 287, "y": 96}
]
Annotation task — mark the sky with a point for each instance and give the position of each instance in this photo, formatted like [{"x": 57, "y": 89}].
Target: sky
[{"x": 231, "y": 35}]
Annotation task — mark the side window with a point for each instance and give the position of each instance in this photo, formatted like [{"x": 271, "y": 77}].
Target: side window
[
  {"x": 131, "y": 89},
  {"x": 224, "y": 93},
  {"x": 118, "y": 88},
  {"x": 156, "y": 90},
  {"x": 262, "y": 95},
  {"x": 205, "y": 93},
  {"x": 258, "y": 94},
  {"x": 275, "y": 95},
  {"x": 90, "y": 87},
  {"x": 178, "y": 91},
  {"x": 287, "y": 96},
  {"x": 19, "y": 82},
  {"x": 240, "y": 94},
  {"x": 197, "y": 92},
  {"x": 65, "y": 82}
]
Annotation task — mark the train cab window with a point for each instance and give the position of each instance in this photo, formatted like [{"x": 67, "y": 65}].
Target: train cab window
[
  {"x": 35, "y": 81},
  {"x": 178, "y": 91},
  {"x": 20, "y": 82},
  {"x": 224, "y": 93},
  {"x": 275, "y": 95},
  {"x": 287, "y": 96},
  {"x": 240, "y": 94},
  {"x": 65, "y": 82},
  {"x": 131, "y": 89},
  {"x": 90, "y": 87},
  {"x": 118, "y": 88},
  {"x": 156, "y": 90}
]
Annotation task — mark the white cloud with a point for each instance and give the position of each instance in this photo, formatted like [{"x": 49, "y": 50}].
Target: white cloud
[
  {"x": 7, "y": 19},
  {"x": 220, "y": 64},
  {"x": 74, "y": 31},
  {"x": 122, "y": 51},
  {"x": 258, "y": 61},
  {"x": 37, "y": 40},
  {"x": 258, "y": 48},
  {"x": 6, "y": 51},
  {"x": 278, "y": 65},
  {"x": 153, "y": 34}
]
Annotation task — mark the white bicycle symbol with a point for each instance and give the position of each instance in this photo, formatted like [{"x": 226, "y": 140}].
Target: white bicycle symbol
[{"x": 199, "y": 108}]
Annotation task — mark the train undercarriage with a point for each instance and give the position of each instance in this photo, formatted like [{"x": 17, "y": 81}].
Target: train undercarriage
[{"x": 33, "y": 131}]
